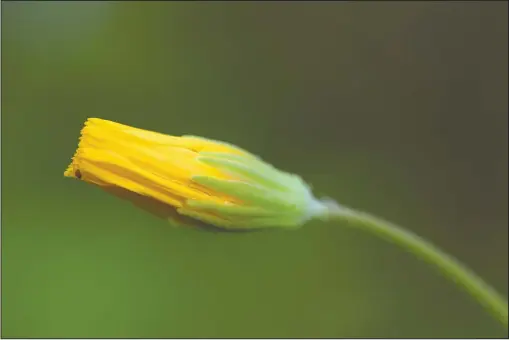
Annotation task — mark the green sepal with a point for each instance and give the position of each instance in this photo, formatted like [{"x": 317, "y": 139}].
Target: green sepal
[
  {"x": 233, "y": 210},
  {"x": 248, "y": 193},
  {"x": 251, "y": 171}
]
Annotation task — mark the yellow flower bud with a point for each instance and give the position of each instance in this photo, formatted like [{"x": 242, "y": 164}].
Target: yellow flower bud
[{"x": 191, "y": 180}]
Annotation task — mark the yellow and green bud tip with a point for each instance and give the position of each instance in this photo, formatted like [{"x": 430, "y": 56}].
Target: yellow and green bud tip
[{"x": 191, "y": 180}]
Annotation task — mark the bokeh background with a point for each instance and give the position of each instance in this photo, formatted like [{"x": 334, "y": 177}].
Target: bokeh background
[{"x": 399, "y": 109}]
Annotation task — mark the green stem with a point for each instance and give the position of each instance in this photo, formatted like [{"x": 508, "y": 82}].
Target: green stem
[{"x": 448, "y": 265}]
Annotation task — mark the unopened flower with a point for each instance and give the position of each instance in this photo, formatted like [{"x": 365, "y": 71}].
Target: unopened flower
[{"x": 191, "y": 180}]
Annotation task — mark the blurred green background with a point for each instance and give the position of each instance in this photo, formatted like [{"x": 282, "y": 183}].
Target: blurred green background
[{"x": 399, "y": 109}]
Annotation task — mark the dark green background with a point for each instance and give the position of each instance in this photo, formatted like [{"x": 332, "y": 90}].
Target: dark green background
[{"x": 399, "y": 109}]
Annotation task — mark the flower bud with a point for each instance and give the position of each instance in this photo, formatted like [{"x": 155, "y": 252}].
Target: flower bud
[{"x": 191, "y": 180}]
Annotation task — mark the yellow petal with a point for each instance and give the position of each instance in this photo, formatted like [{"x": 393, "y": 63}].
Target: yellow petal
[{"x": 120, "y": 158}]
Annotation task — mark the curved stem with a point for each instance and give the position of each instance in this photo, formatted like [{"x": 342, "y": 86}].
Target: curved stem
[{"x": 448, "y": 265}]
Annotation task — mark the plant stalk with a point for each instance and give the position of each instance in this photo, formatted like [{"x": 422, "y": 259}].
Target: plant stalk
[{"x": 448, "y": 265}]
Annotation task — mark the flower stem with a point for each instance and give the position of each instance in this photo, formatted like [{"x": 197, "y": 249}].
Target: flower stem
[{"x": 449, "y": 266}]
